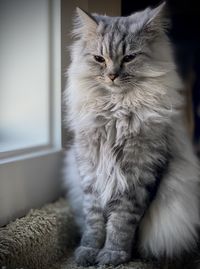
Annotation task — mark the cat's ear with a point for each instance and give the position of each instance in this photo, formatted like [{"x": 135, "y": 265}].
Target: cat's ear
[
  {"x": 85, "y": 24},
  {"x": 157, "y": 20}
]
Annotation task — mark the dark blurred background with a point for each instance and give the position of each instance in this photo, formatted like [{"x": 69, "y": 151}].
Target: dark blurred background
[{"x": 185, "y": 35}]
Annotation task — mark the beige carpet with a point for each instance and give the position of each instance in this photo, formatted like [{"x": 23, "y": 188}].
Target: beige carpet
[
  {"x": 45, "y": 238},
  {"x": 70, "y": 264},
  {"x": 40, "y": 238}
]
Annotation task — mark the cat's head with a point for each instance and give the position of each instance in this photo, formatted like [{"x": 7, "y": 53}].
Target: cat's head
[{"x": 116, "y": 53}]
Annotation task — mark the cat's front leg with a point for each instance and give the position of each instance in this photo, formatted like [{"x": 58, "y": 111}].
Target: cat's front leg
[
  {"x": 94, "y": 233},
  {"x": 121, "y": 225}
]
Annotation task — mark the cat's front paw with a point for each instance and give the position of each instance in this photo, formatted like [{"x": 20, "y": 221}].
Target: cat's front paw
[
  {"x": 107, "y": 256},
  {"x": 86, "y": 256}
]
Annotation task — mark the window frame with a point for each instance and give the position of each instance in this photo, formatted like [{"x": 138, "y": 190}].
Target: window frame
[{"x": 29, "y": 177}]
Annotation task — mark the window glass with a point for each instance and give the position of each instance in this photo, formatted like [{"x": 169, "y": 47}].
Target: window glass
[{"x": 24, "y": 74}]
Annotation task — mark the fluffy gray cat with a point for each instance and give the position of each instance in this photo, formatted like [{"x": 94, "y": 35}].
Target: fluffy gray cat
[{"x": 131, "y": 170}]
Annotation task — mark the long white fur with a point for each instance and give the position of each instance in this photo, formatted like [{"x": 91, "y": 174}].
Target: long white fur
[
  {"x": 172, "y": 221},
  {"x": 170, "y": 224}
]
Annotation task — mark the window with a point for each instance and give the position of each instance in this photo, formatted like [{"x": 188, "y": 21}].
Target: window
[{"x": 30, "y": 105}]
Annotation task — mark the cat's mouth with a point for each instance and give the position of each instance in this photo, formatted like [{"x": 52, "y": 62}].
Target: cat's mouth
[{"x": 114, "y": 87}]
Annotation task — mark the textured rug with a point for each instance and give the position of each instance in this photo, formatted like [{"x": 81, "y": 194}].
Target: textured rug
[
  {"x": 38, "y": 239},
  {"x": 45, "y": 239},
  {"x": 70, "y": 264}
]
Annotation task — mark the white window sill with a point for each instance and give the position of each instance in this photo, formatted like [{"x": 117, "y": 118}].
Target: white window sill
[{"x": 29, "y": 181}]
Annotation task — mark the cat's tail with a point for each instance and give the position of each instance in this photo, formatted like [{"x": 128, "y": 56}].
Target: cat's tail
[{"x": 171, "y": 223}]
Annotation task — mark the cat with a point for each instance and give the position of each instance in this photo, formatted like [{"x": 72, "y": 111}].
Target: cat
[{"x": 131, "y": 170}]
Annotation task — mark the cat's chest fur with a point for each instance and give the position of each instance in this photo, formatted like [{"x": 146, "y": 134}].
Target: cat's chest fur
[
  {"x": 109, "y": 123},
  {"x": 109, "y": 137},
  {"x": 112, "y": 120}
]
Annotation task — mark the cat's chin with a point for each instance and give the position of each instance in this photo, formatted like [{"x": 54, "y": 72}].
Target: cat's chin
[{"x": 115, "y": 88}]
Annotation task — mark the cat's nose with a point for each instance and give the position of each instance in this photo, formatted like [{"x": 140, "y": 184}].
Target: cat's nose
[{"x": 113, "y": 76}]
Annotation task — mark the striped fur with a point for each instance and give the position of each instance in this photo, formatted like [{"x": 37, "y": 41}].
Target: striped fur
[{"x": 132, "y": 167}]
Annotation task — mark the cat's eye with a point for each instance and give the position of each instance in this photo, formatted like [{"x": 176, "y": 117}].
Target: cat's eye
[
  {"x": 99, "y": 59},
  {"x": 129, "y": 58}
]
